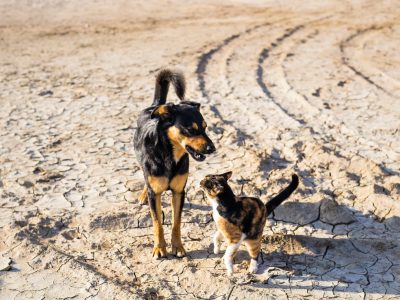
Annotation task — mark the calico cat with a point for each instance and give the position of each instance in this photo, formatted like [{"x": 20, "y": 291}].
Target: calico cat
[{"x": 240, "y": 219}]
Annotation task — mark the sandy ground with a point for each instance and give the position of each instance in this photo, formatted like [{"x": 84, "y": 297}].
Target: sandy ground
[{"x": 310, "y": 87}]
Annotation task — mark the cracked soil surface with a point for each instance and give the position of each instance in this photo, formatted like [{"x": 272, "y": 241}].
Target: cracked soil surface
[{"x": 310, "y": 87}]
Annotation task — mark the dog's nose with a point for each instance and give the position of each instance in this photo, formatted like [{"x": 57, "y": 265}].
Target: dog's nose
[{"x": 210, "y": 148}]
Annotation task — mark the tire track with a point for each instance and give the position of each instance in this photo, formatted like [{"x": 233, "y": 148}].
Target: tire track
[
  {"x": 345, "y": 59},
  {"x": 205, "y": 58},
  {"x": 326, "y": 130},
  {"x": 263, "y": 56}
]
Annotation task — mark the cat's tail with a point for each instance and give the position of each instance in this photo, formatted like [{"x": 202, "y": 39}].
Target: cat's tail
[
  {"x": 282, "y": 196},
  {"x": 163, "y": 79}
]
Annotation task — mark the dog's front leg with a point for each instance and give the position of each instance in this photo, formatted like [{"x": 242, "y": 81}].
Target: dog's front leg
[
  {"x": 159, "y": 249},
  {"x": 177, "y": 205},
  {"x": 177, "y": 184}
]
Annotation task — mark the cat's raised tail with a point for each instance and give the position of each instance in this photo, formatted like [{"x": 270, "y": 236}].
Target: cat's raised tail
[{"x": 282, "y": 196}]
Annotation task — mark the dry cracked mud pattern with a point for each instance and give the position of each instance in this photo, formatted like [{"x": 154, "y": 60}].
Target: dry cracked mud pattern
[{"x": 310, "y": 87}]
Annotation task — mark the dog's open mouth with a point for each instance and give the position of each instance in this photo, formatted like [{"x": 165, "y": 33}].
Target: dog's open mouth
[{"x": 196, "y": 155}]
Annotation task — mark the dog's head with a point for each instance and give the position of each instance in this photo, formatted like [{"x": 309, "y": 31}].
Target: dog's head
[{"x": 185, "y": 128}]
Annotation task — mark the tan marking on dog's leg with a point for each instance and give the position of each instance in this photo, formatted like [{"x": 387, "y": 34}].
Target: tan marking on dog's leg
[
  {"x": 143, "y": 196},
  {"x": 158, "y": 184},
  {"x": 176, "y": 241},
  {"x": 178, "y": 183},
  {"x": 253, "y": 247},
  {"x": 159, "y": 249}
]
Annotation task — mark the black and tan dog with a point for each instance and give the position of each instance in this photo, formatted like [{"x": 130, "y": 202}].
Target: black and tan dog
[{"x": 166, "y": 134}]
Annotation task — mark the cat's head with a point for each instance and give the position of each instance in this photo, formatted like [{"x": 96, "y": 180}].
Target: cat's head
[{"x": 213, "y": 185}]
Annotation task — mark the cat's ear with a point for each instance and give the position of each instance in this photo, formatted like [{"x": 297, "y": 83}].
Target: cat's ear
[{"x": 227, "y": 175}]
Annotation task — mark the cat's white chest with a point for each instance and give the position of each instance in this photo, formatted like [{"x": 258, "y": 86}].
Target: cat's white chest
[{"x": 214, "y": 205}]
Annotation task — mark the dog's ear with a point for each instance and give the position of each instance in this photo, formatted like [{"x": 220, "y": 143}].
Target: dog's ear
[
  {"x": 163, "y": 111},
  {"x": 227, "y": 175},
  {"x": 191, "y": 103}
]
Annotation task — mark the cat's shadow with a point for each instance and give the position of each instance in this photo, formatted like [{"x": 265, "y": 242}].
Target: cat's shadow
[{"x": 364, "y": 259}]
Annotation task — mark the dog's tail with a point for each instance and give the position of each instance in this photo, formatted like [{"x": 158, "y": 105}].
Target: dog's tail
[
  {"x": 282, "y": 196},
  {"x": 163, "y": 79}
]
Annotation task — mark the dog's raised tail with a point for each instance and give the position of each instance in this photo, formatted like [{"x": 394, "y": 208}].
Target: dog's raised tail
[
  {"x": 163, "y": 79},
  {"x": 282, "y": 196}
]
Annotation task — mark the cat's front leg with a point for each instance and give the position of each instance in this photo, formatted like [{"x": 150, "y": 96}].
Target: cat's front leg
[
  {"x": 253, "y": 267},
  {"x": 217, "y": 242},
  {"x": 230, "y": 254}
]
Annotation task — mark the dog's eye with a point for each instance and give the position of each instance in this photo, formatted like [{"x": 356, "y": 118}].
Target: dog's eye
[
  {"x": 189, "y": 131},
  {"x": 195, "y": 126},
  {"x": 186, "y": 131},
  {"x": 204, "y": 125}
]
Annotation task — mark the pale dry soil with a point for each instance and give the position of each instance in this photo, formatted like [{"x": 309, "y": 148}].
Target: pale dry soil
[{"x": 310, "y": 87}]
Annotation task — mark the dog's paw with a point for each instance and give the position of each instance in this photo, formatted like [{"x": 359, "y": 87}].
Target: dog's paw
[
  {"x": 142, "y": 199},
  {"x": 178, "y": 250},
  {"x": 159, "y": 252}
]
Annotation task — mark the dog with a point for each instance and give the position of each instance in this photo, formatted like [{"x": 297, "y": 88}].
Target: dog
[{"x": 166, "y": 135}]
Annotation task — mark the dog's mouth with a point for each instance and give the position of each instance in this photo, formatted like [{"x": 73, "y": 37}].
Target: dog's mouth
[{"x": 196, "y": 155}]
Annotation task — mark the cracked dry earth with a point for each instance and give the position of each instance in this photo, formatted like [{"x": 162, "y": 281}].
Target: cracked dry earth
[{"x": 309, "y": 87}]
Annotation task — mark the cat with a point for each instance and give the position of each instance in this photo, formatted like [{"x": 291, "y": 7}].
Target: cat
[{"x": 240, "y": 219}]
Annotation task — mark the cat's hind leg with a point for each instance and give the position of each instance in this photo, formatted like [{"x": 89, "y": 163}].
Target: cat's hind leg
[
  {"x": 217, "y": 241},
  {"x": 253, "y": 247},
  {"x": 230, "y": 254}
]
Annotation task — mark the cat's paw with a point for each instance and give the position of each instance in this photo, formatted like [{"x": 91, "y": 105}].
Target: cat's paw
[
  {"x": 217, "y": 249},
  {"x": 228, "y": 264},
  {"x": 253, "y": 267}
]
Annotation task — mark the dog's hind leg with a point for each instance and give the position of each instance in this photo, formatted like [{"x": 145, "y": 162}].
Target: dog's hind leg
[
  {"x": 178, "y": 199},
  {"x": 143, "y": 196}
]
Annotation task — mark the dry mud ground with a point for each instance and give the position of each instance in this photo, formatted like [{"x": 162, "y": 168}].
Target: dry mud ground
[{"x": 305, "y": 86}]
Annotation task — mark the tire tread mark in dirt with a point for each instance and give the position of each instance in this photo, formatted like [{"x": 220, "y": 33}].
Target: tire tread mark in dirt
[
  {"x": 345, "y": 60},
  {"x": 303, "y": 96},
  {"x": 260, "y": 71},
  {"x": 206, "y": 57},
  {"x": 329, "y": 136}
]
